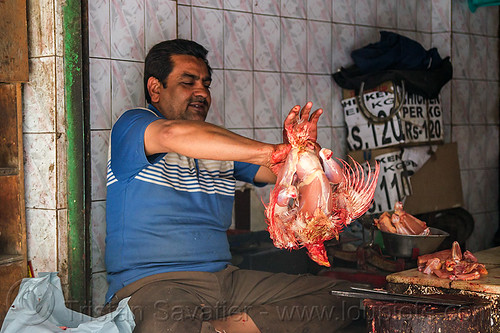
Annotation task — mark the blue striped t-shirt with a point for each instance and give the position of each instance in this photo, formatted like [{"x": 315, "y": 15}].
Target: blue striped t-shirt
[{"x": 165, "y": 212}]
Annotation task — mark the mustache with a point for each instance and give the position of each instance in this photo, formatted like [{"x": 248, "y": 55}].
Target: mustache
[{"x": 199, "y": 100}]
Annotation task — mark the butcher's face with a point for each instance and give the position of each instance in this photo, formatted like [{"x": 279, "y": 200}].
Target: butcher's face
[{"x": 186, "y": 94}]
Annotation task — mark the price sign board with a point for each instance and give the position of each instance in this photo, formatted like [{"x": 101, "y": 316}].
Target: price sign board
[
  {"x": 418, "y": 121},
  {"x": 396, "y": 169}
]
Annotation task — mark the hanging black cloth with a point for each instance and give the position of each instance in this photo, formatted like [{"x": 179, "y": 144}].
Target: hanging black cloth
[
  {"x": 396, "y": 58},
  {"x": 394, "y": 51}
]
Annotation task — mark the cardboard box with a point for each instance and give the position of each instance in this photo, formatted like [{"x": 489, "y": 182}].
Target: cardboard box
[
  {"x": 424, "y": 181},
  {"x": 437, "y": 185}
]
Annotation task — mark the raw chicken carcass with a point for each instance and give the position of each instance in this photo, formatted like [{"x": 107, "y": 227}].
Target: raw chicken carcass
[
  {"x": 384, "y": 223},
  {"x": 442, "y": 255},
  {"x": 452, "y": 264},
  {"x": 401, "y": 222},
  {"x": 315, "y": 197}
]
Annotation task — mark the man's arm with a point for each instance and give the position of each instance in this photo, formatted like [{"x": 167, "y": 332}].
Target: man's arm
[
  {"x": 198, "y": 139},
  {"x": 264, "y": 175}
]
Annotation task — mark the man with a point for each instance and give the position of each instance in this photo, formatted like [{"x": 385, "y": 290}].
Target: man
[{"x": 171, "y": 181}]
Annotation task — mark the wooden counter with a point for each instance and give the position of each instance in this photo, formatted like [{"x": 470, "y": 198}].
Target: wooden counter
[
  {"x": 486, "y": 284},
  {"x": 487, "y": 287}
]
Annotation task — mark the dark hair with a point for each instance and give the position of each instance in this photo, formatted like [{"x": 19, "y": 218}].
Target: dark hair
[{"x": 159, "y": 63}]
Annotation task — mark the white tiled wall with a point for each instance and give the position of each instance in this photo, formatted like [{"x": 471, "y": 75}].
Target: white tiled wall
[
  {"x": 267, "y": 56},
  {"x": 475, "y": 114},
  {"x": 120, "y": 34},
  {"x": 44, "y": 135},
  {"x": 270, "y": 55}
]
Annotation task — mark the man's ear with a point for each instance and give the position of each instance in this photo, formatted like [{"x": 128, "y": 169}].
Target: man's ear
[{"x": 154, "y": 89}]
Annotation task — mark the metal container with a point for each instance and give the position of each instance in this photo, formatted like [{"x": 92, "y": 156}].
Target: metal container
[{"x": 403, "y": 245}]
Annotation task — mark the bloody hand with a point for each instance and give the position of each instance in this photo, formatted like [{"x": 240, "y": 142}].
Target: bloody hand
[
  {"x": 279, "y": 156},
  {"x": 302, "y": 122}
]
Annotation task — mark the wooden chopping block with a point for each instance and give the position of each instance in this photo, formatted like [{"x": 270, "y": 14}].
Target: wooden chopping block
[
  {"x": 487, "y": 287},
  {"x": 412, "y": 318}
]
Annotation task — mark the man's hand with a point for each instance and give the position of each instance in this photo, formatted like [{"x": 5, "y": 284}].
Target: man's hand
[
  {"x": 278, "y": 157},
  {"x": 269, "y": 172},
  {"x": 299, "y": 120}
]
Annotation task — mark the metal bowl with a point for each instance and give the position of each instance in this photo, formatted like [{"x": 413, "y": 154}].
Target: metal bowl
[{"x": 406, "y": 246}]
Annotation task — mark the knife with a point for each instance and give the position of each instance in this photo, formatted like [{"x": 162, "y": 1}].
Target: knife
[{"x": 382, "y": 295}]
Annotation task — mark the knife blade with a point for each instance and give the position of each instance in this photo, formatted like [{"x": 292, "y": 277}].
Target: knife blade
[{"x": 382, "y": 295}]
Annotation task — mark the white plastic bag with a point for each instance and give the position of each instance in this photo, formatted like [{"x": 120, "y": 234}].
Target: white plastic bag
[{"x": 39, "y": 307}]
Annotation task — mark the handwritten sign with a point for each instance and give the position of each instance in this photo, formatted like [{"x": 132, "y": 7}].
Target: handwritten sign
[
  {"x": 394, "y": 182},
  {"x": 418, "y": 121}
]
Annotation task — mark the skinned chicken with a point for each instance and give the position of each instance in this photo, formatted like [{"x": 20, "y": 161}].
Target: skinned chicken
[{"x": 315, "y": 197}]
